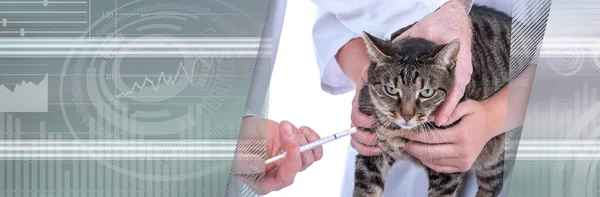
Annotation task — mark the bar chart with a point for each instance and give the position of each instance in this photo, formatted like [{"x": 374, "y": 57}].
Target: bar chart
[
  {"x": 553, "y": 117},
  {"x": 92, "y": 179},
  {"x": 124, "y": 97}
]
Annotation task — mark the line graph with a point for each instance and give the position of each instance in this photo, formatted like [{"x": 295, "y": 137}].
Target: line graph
[
  {"x": 162, "y": 78},
  {"x": 155, "y": 85},
  {"x": 26, "y": 97},
  {"x": 99, "y": 51}
]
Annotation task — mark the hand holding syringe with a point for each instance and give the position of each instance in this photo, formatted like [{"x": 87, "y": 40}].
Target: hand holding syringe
[{"x": 316, "y": 143}]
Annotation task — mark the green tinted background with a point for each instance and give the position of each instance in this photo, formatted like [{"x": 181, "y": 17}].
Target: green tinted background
[
  {"x": 558, "y": 148},
  {"x": 89, "y": 94}
]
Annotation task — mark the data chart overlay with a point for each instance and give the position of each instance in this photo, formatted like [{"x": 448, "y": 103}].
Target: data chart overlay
[{"x": 124, "y": 97}]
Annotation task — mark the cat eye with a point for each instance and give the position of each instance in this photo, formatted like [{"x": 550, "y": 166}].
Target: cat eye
[
  {"x": 391, "y": 90},
  {"x": 427, "y": 93}
]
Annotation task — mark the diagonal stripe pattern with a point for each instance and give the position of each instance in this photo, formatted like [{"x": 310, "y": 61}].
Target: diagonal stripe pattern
[{"x": 527, "y": 32}]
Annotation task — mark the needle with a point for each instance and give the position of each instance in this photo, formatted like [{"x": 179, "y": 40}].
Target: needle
[{"x": 318, "y": 143}]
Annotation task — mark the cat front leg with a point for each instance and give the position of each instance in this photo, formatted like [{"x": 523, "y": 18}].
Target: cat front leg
[
  {"x": 445, "y": 184},
  {"x": 490, "y": 179},
  {"x": 370, "y": 174},
  {"x": 489, "y": 168}
]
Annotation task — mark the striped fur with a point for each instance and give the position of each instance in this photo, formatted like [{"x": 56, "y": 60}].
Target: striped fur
[{"x": 398, "y": 74}]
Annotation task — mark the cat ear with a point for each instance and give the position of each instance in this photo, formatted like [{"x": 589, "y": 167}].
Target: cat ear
[
  {"x": 448, "y": 54},
  {"x": 378, "y": 49}
]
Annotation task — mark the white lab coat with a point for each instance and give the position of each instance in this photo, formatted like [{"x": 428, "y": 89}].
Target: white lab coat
[{"x": 337, "y": 22}]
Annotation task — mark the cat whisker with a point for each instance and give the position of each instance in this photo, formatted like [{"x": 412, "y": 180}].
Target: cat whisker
[
  {"x": 426, "y": 144},
  {"x": 366, "y": 123},
  {"x": 427, "y": 130},
  {"x": 377, "y": 129},
  {"x": 430, "y": 118},
  {"x": 437, "y": 141},
  {"x": 403, "y": 70},
  {"x": 443, "y": 138}
]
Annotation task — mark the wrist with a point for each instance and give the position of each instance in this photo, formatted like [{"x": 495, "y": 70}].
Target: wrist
[
  {"x": 456, "y": 13},
  {"x": 496, "y": 110}
]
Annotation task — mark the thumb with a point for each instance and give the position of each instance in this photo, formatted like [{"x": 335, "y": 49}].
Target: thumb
[
  {"x": 462, "y": 109},
  {"x": 292, "y": 163},
  {"x": 290, "y": 145},
  {"x": 449, "y": 106}
]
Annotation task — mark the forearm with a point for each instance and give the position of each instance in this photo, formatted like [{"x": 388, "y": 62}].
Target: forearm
[
  {"x": 507, "y": 108},
  {"x": 519, "y": 91},
  {"x": 353, "y": 60}
]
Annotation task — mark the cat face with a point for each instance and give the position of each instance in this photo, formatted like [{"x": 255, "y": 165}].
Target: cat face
[{"x": 409, "y": 79}]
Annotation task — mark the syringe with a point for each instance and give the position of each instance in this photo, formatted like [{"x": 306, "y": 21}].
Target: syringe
[{"x": 318, "y": 143}]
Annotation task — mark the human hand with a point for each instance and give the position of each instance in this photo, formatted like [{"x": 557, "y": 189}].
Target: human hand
[
  {"x": 455, "y": 149},
  {"x": 249, "y": 163},
  {"x": 449, "y": 22},
  {"x": 363, "y": 141},
  {"x": 354, "y": 61}
]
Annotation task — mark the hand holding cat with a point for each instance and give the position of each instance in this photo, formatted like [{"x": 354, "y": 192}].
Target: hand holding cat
[
  {"x": 354, "y": 61},
  {"x": 249, "y": 166},
  {"x": 455, "y": 149},
  {"x": 442, "y": 26},
  {"x": 449, "y": 22},
  {"x": 364, "y": 142}
]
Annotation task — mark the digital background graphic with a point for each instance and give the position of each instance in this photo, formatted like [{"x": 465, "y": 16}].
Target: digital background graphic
[
  {"x": 145, "y": 97},
  {"x": 559, "y": 146},
  {"x": 123, "y": 97}
]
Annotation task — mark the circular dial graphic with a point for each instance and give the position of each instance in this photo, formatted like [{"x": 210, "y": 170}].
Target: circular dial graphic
[
  {"x": 568, "y": 65},
  {"x": 118, "y": 96}
]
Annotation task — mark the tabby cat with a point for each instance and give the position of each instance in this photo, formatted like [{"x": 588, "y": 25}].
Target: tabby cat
[{"x": 409, "y": 79}]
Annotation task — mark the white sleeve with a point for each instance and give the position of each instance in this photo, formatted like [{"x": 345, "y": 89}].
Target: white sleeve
[
  {"x": 339, "y": 21},
  {"x": 329, "y": 35}
]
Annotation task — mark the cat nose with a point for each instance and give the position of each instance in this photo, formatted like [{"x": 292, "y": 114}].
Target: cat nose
[{"x": 407, "y": 117}]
